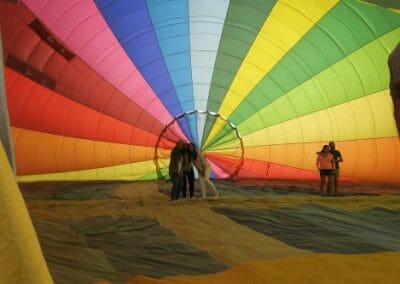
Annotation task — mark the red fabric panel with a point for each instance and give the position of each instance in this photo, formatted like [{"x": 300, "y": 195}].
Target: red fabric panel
[
  {"x": 263, "y": 170},
  {"x": 34, "y": 107}
]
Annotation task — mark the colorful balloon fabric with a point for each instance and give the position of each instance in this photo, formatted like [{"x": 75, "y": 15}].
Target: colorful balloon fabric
[{"x": 102, "y": 90}]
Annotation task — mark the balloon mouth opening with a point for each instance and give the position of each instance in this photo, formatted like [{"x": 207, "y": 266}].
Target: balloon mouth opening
[{"x": 225, "y": 151}]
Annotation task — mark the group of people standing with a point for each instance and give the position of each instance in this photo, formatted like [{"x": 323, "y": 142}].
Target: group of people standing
[
  {"x": 184, "y": 158},
  {"x": 327, "y": 163}
]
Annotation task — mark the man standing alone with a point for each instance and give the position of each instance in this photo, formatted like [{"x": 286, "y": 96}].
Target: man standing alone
[{"x": 338, "y": 159}]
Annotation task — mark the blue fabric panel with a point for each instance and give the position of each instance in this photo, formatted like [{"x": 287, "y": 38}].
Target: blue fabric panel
[
  {"x": 170, "y": 21},
  {"x": 131, "y": 24}
]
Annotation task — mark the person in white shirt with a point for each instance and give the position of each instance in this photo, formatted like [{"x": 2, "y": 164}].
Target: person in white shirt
[{"x": 204, "y": 169}]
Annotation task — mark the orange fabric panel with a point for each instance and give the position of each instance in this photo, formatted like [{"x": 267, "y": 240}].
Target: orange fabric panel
[
  {"x": 376, "y": 160},
  {"x": 37, "y": 152}
]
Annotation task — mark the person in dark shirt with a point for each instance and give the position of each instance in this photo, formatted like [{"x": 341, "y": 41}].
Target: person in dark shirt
[
  {"x": 338, "y": 159},
  {"x": 176, "y": 170},
  {"x": 190, "y": 155}
]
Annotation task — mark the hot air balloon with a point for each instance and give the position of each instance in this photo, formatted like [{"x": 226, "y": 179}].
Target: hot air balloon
[{"x": 101, "y": 90}]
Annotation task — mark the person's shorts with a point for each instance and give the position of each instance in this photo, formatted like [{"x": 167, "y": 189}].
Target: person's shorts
[{"x": 325, "y": 173}]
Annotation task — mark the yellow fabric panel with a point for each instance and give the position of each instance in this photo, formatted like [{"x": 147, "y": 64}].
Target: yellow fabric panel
[
  {"x": 367, "y": 117},
  {"x": 21, "y": 258},
  {"x": 318, "y": 268},
  {"x": 218, "y": 124},
  {"x": 285, "y": 26},
  {"x": 132, "y": 171},
  {"x": 376, "y": 159},
  {"x": 38, "y": 152}
]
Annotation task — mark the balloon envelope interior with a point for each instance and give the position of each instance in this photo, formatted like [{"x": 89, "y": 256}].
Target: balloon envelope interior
[{"x": 102, "y": 90}]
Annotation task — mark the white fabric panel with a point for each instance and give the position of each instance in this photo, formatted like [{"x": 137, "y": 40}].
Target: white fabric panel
[{"x": 207, "y": 19}]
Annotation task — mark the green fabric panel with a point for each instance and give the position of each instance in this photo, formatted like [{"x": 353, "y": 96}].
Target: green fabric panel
[
  {"x": 386, "y": 3},
  {"x": 243, "y": 21},
  {"x": 347, "y": 27},
  {"x": 227, "y": 135},
  {"x": 154, "y": 175},
  {"x": 363, "y": 72},
  {"x": 208, "y": 126},
  {"x": 151, "y": 176}
]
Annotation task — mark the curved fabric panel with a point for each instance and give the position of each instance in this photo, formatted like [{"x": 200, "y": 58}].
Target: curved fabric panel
[
  {"x": 362, "y": 72},
  {"x": 39, "y": 152},
  {"x": 170, "y": 21},
  {"x": 263, "y": 170},
  {"x": 5, "y": 128},
  {"x": 206, "y": 24},
  {"x": 144, "y": 170},
  {"x": 243, "y": 21},
  {"x": 131, "y": 24},
  {"x": 385, "y": 3},
  {"x": 363, "y": 118},
  {"x": 285, "y": 26},
  {"x": 383, "y": 165},
  {"x": 370, "y": 159},
  {"x": 236, "y": 77},
  {"x": 37, "y": 108},
  {"x": 85, "y": 35},
  {"x": 32, "y": 56},
  {"x": 21, "y": 256}
]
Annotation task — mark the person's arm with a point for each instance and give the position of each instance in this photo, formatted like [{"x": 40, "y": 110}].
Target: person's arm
[
  {"x": 199, "y": 166},
  {"x": 317, "y": 162},
  {"x": 340, "y": 158},
  {"x": 332, "y": 161}
]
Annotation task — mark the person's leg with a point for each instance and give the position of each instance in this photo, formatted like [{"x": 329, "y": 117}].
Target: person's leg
[
  {"x": 322, "y": 183},
  {"x": 175, "y": 187},
  {"x": 336, "y": 174},
  {"x": 202, "y": 186},
  {"x": 179, "y": 186},
  {"x": 209, "y": 182},
  {"x": 191, "y": 182},
  {"x": 329, "y": 186},
  {"x": 184, "y": 185}
]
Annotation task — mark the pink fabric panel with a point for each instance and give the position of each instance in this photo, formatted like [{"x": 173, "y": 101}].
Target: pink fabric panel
[
  {"x": 92, "y": 40},
  {"x": 220, "y": 174}
]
